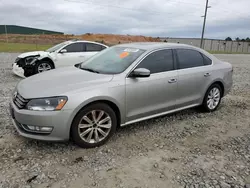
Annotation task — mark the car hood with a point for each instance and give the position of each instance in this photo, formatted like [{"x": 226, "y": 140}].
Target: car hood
[
  {"x": 59, "y": 82},
  {"x": 34, "y": 53}
]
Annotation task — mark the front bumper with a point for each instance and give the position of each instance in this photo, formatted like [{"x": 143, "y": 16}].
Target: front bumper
[
  {"x": 18, "y": 70},
  {"x": 59, "y": 120}
]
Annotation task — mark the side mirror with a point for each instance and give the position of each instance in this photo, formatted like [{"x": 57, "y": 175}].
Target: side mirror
[
  {"x": 63, "y": 51},
  {"x": 140, "y": 72}
]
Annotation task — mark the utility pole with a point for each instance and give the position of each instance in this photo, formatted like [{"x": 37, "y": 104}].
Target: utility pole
[
  {"x": 204, "y": 23},
  {"x": 6, "y": 34}
]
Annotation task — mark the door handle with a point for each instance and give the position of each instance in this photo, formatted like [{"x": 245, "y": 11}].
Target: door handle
[
  {"x": 172, "y": 80},
  {"x": 207, "y": 74}
]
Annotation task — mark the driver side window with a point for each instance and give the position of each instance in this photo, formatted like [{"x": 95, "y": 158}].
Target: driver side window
[
  {"x": 75, "y": 47},
  {"x": 159, "y": 61}
]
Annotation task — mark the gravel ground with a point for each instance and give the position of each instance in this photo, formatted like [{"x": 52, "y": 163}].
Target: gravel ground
[{"x": 187, "y": 149}]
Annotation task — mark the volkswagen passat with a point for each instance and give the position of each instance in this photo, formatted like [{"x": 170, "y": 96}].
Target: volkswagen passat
[{"x": 121, "y": 85}]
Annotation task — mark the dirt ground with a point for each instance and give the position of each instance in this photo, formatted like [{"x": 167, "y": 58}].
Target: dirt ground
[{"x": 186, "y": 149}]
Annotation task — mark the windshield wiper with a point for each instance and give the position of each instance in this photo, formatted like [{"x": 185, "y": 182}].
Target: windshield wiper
[{"x": 90, "y": 70}]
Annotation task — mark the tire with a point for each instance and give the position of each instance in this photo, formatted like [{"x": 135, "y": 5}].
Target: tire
[
  {"x": 85, "y": 136},
  {"x": 215, "y": 99},
  {"x": 42, "y": 64}
]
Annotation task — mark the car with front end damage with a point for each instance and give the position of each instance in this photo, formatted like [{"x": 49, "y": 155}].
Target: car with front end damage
[{"x": 64, "y": 54}]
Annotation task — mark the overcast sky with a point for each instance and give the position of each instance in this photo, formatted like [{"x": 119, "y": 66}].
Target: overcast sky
[{"x": 165, "y": 18}]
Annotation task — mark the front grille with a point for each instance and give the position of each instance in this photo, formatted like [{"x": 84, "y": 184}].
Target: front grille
[
  {"x": 20, "y": 62},
  {"x": 19, "y": 101},
  {"x": 17, "y": 59}
]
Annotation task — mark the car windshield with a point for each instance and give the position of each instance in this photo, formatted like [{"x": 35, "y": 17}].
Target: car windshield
[
  {"x": 57, "y": 47},
  {"x": 112, "y": 60}
]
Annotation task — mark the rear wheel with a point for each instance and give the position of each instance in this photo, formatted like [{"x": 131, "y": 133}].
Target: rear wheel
[
  {"x": 212, "y": 98},
  {"x": 93, "y": 125}
]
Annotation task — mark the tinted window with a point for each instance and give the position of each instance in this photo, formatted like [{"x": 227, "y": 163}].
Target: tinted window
[
  {"x": 207, "y": 61},
  {"x": 76, "y": 47},
  {"x": 159, "y": 61},
  {"x": 189, "y": 58},
  {"x": 90, "y": 47}
]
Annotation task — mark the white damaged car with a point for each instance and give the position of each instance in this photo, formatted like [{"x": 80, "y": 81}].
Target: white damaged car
[{"x": 64, "y": 54}]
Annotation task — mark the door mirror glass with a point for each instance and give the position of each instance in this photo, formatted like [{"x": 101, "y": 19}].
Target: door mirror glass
[
  {"x": 63, "y": 51},
  {"x": 140, "y": 72}
]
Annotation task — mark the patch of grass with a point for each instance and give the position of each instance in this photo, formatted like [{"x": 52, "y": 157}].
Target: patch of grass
[{"x": 21, "y": 47}]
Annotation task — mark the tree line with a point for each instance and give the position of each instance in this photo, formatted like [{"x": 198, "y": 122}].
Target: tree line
[{"x": 238, "y": 39}]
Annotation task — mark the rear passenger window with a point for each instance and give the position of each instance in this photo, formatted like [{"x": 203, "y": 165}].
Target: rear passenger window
[
  {"x": 159, "y": 61},
  {"x": 75, "y": 47},
  {"x": 207, "y": 61},
  {"x": 189, "y": 58},
  {"x": 91, "y": 47}
]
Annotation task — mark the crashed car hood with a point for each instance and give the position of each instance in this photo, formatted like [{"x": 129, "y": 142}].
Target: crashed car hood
[
  {"x": 59, "y": 82},
  {"x": 34, "y": 53}
]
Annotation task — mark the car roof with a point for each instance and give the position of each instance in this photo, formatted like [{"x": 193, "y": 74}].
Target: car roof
[
  {"x": 151, "y": 46},
  {"x": 75, "y": 41},
  {"x": 154, "y": 45}
]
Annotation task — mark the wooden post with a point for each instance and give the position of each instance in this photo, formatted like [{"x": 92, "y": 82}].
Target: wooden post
[
  {"x": 231, "y": 50},
  {"x": 6, "y": 34}
]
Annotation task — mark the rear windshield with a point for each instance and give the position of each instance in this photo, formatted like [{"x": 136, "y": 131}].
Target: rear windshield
[{"x": 112, "y": 60}]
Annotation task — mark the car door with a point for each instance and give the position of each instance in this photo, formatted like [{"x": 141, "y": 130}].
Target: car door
[
  {"x": 91, "y": 49},
  {"x": 155, "y": 94},
  {"x": 73, "y": 55},
  {"x": 193, "y": 77}
]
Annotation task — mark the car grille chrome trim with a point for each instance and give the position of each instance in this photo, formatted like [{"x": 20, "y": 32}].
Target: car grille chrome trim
[{"x": 19, "y": 101}]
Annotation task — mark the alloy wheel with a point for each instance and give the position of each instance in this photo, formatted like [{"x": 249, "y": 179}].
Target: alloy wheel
[
  {"x": 44, "y": 67},
  {"x": 213, "y": 98},
  {"x": 94, "y": 126}
]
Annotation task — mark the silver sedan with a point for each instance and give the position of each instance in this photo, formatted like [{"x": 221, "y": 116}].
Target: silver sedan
[{"x": 121, "y": 85}]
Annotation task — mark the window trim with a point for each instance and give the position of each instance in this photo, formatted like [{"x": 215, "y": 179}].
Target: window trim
[
  {"x": 72, "y": 44},
  {"x": 178, "y": 63},
  {"x": 149, "y": 53}
]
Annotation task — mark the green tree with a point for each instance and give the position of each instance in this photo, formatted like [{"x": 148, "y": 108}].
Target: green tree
[
  {"x": 228, "y": 39},
  {"x": 237, "y": 39},
  {"x": 248, "y": 39}
]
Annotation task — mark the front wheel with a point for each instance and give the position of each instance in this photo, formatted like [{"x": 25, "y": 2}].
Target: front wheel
[
  {"x": 93, "y": 125},
  {"x": 43, "y": 66},
  {"x": 212, "y": 98}
]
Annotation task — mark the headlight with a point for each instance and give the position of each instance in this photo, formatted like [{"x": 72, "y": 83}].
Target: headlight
[
  {"x": 47, "y": 104},
  {"x": 31, "y": 59}
]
